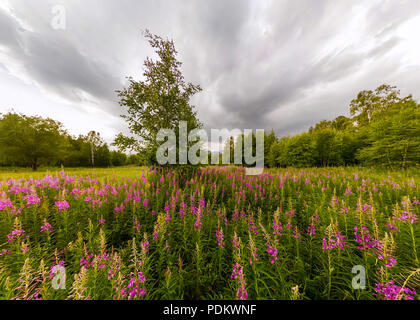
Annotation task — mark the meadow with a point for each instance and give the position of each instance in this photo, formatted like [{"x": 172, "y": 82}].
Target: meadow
[{"x": 212, "y": 233}]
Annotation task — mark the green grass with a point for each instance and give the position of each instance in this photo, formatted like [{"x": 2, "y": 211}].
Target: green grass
[{"x": 185, "y": 259}]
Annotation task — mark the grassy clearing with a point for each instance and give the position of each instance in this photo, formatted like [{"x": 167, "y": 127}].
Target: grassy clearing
[{"x": 140, "y": 233}]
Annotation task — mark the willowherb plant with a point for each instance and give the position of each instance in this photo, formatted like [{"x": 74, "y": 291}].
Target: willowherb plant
[{"x": 293, "y": 234}]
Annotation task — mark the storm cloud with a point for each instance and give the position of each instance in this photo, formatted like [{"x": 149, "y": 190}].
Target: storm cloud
[{"x": 283, "y": 64}]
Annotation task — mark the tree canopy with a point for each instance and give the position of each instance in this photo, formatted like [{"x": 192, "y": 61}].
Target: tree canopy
[
  {"x": 31, "y": 141},
  {"x": 384, "y": 129},
  {"x": 160, "y": 101}
]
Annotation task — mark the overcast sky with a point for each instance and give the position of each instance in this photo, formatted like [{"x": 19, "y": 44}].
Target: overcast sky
[{"x": 282, "y": 64}]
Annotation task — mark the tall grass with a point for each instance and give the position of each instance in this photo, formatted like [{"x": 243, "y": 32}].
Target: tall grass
[{"x": 143, "y": 233}]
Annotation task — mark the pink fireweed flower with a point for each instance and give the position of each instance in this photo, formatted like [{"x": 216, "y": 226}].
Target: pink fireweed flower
[
  {"x": 16, "y": 212},
  {"x": 235, "y": 215},
  {"x": 220, "y": 238},
  {"x": 277, "y": 227},
  {"x": 168, "y": 217},
  {"x": 134, "y": 288},
  {"x": 344, "y": 210},
  {"x": 296, "y": 234},
  {"x": 384, "y": 253},
  {"x": 291, "y": 213},
  {"x": 392, "y": 227},
  {"x": 5, "y": 204},
  {"x": 32, "y": 199},
  {"x": 155, "y": 235},
  {"x": 137, "y": 226},
  {"x": 334, "y": 202},
  {"x": 391, "y": 291},
  {"x": 197, "y": 224},
  {"x": 237, "y": 271},
  {"x": 363, "y": 207},
  {"x": 98, "y": 202},
  {"x": 336, "y": 240},
  {"x": 114, "y": 268},
  {"x": 252, "y": 226},
  {"x": 14, "y": 234},
  {"x": 272, "y": 251},
  {"x": 46, "y": 227},
  {"x": 62, "y": 205},
  {"x": 56, "y": 268},
  {"x": 166, "y": 208},
  {"x": 254, "y": 256},
  {"x": 236, "y": 244},
  {"x": 389, "y": 261},
  {"x": 85, "y": 261},
  {"x": 101, "y": 221},
  {"x": 364, "y": 238},
  {"x": 311, "y": 231},
  {"x": 144, "y": 246},
  {"x": 407, "y": 217},
  {"x": 24, "y": 248},
  {"x": 5, "y": 251},
  {"x": 119, "y": 209},
  {"x": 242, "y": 293}
]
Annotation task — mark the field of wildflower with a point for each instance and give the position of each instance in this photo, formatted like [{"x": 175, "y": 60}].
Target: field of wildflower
[{"x": 211, "y": 233}]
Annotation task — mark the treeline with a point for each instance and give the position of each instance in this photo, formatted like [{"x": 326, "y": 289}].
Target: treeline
[
  {"x": 32, "y": 141},
  {"x": 383, "y": 129}
]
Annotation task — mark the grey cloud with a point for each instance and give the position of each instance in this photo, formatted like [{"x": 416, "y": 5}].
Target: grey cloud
[
  {"x": 57, "y": 65},
  {"x": 281, "y": 64}
]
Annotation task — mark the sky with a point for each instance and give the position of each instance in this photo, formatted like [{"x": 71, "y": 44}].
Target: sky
[{"x": 279, "y": 64}]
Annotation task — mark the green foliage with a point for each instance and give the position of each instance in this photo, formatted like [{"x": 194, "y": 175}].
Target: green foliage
[
  {"x": 33, "y": 141},
  {"x": 394, "y": 138},
  {"x": 118, "y": 158},
  {"x": 29, "y": 141},
  {"x": 161, "y": 101},
  {"x": 384, "y": 130}
]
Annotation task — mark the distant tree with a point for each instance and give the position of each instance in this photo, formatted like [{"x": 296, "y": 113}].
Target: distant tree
[
  {"x": 394, "y": 138},
  {"x": 325, "y": 150},
  {"x": 298, "y": 151},
  {"x": 324, "y": 124},
  {"x": 342, "y": 123},
  {"x": 86, "y": 151},
  {"x": 269, "y": 140},
  {"x": 346, "y": 145},
  {"x": 133, "y": 159},
  {"x": 228, "y": 153},
  {"x": 77, "y": 152},
  {"x": 275, "y": 152},
  {"x": 118, "y": 158},
  {"x": 32, "y": 140},
  {"x": 102, "y": 156},
  {"x": 160, "y": 101},
  {"x": 95, "y": 141},
  {"x": 369, "y": 102}
]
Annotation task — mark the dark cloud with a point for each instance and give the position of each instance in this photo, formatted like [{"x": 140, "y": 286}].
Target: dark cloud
[{"x": 280, "y": 64}]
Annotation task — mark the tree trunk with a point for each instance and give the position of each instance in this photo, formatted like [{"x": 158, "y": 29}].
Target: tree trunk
[{"x": 34, "y": 165}]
